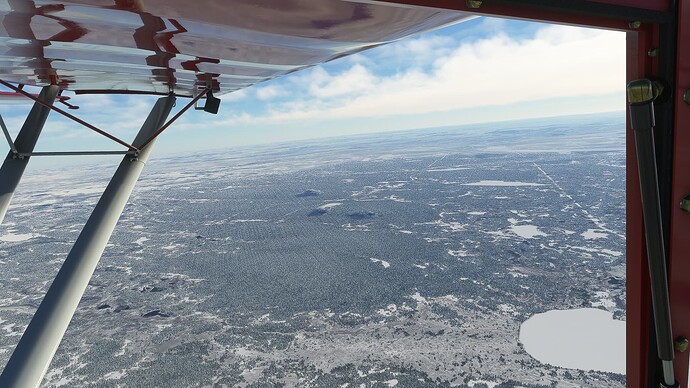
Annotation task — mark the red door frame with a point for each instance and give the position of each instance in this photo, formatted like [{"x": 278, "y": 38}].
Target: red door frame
[
  {"x": 615, "y": 15},
  {"x": 679, "y": 264},
  {"x": 638, "y": 299}
]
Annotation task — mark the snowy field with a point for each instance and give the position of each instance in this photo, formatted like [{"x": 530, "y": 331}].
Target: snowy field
[{"x": 405, "y": 259}]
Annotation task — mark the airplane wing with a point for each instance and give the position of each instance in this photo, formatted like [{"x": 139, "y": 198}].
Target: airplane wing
[{"x": 182, "y": 47}]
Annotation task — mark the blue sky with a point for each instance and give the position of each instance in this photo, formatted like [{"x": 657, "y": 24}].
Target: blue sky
[{"x": 482, "y": 70}]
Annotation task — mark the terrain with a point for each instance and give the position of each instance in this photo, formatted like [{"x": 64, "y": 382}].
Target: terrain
[{"x": 393, "y": 259}]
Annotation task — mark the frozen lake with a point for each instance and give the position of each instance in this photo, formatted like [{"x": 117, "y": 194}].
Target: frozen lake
[{"x": 586, "y": 339}]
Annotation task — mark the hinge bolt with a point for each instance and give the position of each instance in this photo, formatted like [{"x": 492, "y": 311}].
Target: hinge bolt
[
  {"x": 685, "y": 203},
  {"x": 681, "y": 344},
  {"x": 657, "y": 88},
  {"x": 635, "y": 24},
  {"x": 474, "y": 4},
  {"x": 653, "y": 52}
]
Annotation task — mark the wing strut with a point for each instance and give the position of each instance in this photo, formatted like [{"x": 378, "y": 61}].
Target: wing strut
[
  {"x": 641, "y": 96},
  {"x": 32, "y": 356},
  {"x": 68, "y": 115},
  {"x": 13, "y": 168}
]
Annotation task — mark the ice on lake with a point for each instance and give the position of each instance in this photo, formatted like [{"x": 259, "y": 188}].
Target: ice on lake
[
  {"x": 16, "y": 237},
  {"x": 527, "y": 231},
  {"x": 586, "y": 339}
]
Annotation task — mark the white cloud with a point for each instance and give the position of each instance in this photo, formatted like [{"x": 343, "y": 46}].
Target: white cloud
[
  {"x": 417, "y": 49},
  {"x": 558, "y": 61},
  {"x": 269, "y": 92},
  {"x": 354, "y": 81},
  {"x": 235, "y": 96}
]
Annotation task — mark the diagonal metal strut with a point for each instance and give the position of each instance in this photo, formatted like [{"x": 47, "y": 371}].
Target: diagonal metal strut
[
  {"x": 13, "y": 168},
  {"x": 8, "y": 137},
  {"x": 32, "y": 356},
  {"x": 641, "y": 97},
  {"x": 68, "y": 115}
]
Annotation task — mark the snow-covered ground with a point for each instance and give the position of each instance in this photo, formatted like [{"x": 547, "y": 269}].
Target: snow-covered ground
[{"x": 406, "y": 260}]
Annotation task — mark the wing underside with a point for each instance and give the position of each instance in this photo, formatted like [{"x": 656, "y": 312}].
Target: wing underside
[{"x": 182, "y": 46}]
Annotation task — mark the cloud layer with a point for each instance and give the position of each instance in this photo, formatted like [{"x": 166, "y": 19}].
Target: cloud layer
[{"x": 440, "y": 74}]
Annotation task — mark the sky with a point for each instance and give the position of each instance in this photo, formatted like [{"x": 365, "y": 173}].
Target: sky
[{"x": 483, "y": 70}]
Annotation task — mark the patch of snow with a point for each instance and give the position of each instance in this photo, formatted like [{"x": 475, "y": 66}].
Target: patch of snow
[
  {"x": 502, "y": 183},
  {"x": 600, "y": 251},
  {"x": 80, "y": 190},
  {"x": 356, "y": 227},
  {"x": 388, "y": 311},
  {"x": 17, "y": 237},
  {"x": 593, "y": 234},
  {"x": 527, "y": 231},
  {"x": 604, "y": 300},
  {"x": 115, "y": 375},
  {"x": 507, "y": 309},
  {"x": 419, "y": 298},
  {"x": 611, "y": 252},
  {"x": 329, "y": 205},
  {"x": 123, "y": 349},
  {"x": 384, "y": 263},
  {"x": 490, "y": 384},
  {"x": 141, "y": 240},
  {"x": 395, "y": 198},
  {"x": 459, "y": 253},
  {"x": 450, "y": 226},
  {"x": 447, "y": 169}
]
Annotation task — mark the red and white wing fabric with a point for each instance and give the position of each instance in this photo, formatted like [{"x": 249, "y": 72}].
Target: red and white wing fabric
[{"x": 183, "y": 46}]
